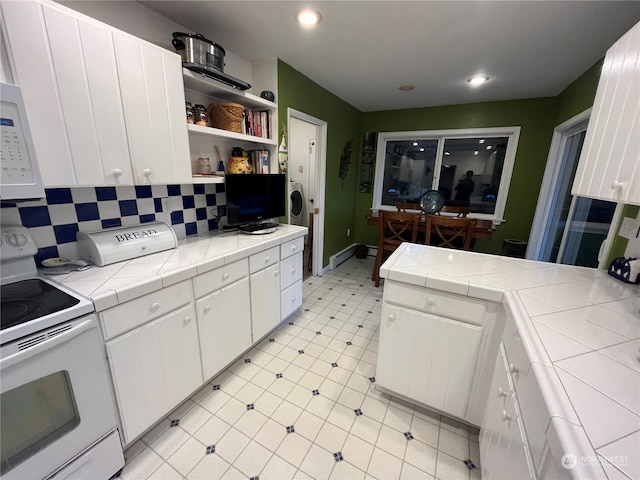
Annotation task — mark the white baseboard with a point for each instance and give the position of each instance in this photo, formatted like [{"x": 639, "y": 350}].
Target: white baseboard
[{"x": 347, "y": 253}]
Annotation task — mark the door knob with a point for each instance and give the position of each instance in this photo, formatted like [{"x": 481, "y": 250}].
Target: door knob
[
  {"x": 117, "y": 172},
  {"x": 147, "y": 172}
]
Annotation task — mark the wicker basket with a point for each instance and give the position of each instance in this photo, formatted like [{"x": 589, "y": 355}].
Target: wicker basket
[{"x": 227, "y": 116}]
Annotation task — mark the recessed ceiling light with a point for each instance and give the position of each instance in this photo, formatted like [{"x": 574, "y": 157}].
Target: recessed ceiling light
[
  {"x": 481, "y": 140},
  {"x": 422, "y": 149},
  {"x": 308, "y": 17},
  {"x": 406, "y": 88},
  {"x": 415, "y": 144},
  {"x": 447, "y": 153},
  {"x": 489, "y": 147},
  {"x": 476, "y": 152},
  {"x": 478, "y": 80}
]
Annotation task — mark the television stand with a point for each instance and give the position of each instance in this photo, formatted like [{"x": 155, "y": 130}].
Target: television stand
[{"x": 259, "y": 228}]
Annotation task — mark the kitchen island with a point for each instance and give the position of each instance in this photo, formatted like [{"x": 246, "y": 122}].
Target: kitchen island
[{"x": 547, "y": 353}]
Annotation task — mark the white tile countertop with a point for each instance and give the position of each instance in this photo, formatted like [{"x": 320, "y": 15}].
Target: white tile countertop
[
  {"x": 580, "y": 324},
  {"x": 120, "y": 282}
]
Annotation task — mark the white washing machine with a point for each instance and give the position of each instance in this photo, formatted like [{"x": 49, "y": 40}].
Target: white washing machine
[{"x": 297, "y": 205}]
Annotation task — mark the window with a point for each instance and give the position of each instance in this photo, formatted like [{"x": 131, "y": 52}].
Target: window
[{"x": 469, "y": 167}]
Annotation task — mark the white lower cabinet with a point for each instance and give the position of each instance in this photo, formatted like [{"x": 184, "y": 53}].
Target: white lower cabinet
[
  {"x": 503, "y": 447},
  {"x": 265, "y": 301},
  {"x": 291, "y": 299},
  {"x": 427, "y": 358},
  {"x": 224, "y": 322},
  {"x": 154, "y": 367}
]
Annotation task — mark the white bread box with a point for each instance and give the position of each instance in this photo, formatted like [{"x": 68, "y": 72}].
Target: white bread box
[{"x": 105, "y": 247}]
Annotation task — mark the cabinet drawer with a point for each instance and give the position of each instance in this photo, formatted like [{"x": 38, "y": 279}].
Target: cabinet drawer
[
  {"x": 290, "y": 270},
  {"x": 291, "y": 299},
  {"x": 458, "y": 307},
  {"x": 220, "y": 277},
  {"x": 518, "y": 360},
  {"x": 292, "y": 247},
  {"x": 264, "y": 259},
  {"x": 129, "y": 315}
]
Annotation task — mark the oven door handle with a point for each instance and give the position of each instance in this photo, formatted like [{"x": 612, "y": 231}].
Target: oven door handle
[{"x": 47, "y": 344}]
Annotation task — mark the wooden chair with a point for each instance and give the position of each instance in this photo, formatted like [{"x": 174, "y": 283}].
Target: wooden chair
[
  {"x": 461, "y": 212},
  {"x": 403, "y": 207},
  {"x": 449, "y": 232},
  {"x": 395, "y": 228}
]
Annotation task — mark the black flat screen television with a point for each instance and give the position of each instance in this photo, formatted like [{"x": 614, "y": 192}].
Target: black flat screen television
[{"x": 253, "y": 199}]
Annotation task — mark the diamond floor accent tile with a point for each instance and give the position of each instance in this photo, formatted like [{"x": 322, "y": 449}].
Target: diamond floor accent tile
[{"x": 324, "y": 330}]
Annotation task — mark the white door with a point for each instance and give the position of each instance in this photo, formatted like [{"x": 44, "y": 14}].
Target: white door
[
  {"x": 307, "y": 163},
  {"x": 265, "y": 301},
  {"x": 225, "y": 310},
  {"x": 427, "y": 358},
  {"x": 569, "y": 229}
]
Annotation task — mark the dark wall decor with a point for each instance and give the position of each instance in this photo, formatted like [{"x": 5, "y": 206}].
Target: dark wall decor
[
  {"x": 368, "y": 157},
  {"x": 345, "y": 160}
]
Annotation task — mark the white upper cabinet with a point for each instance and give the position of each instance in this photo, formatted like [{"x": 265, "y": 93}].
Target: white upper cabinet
[
  {"x": 105, "y": 108},
  {"x": 154, "y": 106},
  {"x": 609, "y": 166}
]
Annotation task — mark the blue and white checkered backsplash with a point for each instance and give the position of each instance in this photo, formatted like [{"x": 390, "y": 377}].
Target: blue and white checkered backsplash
[{"x": 54, "y": 221}]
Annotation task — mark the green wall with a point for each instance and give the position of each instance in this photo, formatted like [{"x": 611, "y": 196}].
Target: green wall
[
  {"x": 346, "y": 208},
  {"x": 343, "y": 124},
  {"x": 535, "y": 117}
]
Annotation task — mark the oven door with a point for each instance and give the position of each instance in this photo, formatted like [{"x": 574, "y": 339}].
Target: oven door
[{"x": 55, "y": 399}]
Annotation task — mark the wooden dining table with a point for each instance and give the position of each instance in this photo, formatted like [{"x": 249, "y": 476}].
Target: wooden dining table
[{"x": 484, "y": 228}]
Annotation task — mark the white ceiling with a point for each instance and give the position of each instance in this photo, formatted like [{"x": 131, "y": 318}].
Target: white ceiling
[{"x": 363, "y": 50}]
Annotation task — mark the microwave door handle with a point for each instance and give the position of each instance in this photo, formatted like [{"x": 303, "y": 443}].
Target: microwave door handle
[{"x": 47, "y": 344}]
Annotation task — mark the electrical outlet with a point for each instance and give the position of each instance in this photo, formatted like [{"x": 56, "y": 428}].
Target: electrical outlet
[
  {"x": 348, "y": 232},
  {"x": 166, "y": 207}
]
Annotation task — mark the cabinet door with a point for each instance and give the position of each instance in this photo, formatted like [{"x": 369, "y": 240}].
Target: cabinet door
[
  {"x": 427, "y": 358},
  {"x": 153, "y": 100},
  {"x": 291, "y": 299},
  {"x": 178, "y": 333},
  {"x": 33, "y": 71},
  {"x": 224, "y": 321},
  {"x": 290, "y": 270},
  {"x": 154, "y": 368},
  {"x": 503, "y": 451},
  {"x": 609, "y": 166},
  {"x": 265, "y": 301}
]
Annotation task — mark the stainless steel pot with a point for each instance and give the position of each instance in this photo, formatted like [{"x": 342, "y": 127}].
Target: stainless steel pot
[{"x": 196, "y": 49}]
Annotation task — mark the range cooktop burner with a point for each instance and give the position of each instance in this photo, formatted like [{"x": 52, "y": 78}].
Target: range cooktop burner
[{"x": 30, "y": 299}]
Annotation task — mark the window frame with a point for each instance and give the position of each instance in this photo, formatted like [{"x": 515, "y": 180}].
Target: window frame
[{"x": 513, "y": 134}]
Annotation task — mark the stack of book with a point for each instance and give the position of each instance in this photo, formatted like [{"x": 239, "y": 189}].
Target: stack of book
[
  {"x": 257, "y": 123},
  {"x": 259, "y": 160}
]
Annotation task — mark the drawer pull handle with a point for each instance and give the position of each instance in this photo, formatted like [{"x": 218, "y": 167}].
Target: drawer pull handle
[
  {"x": 505, "y": 416},
  {"x": 146, "y": 172},
  {"x": 154, "y": 307},
  {"x": 501, "y": 392},
  {"x": 276, "y": 273},
  {"x": 207, "y": 308},
  {"x": 293, "y": 300},
  {"x": 431, "y": 301},
  {"x": 616, "y": 185},
  {"x": 187, "y": 319},
  {"x": 294, "y": 248},
  {"x": 117, "y": 172},
  {"x": 513, "y": 368},
  {"x": 293, "y": 270},
  {"x": 391, "y": 317},
  {"x": 225, "y": 276}
]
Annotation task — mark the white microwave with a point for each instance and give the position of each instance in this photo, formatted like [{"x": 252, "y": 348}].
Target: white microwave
[{"x": 20, "y": 177}]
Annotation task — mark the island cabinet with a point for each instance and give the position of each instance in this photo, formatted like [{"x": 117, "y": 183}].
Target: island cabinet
[
  {"x": 265, "y": 291},
  {"x": 433, "y": 347},
  {"x": 503, "y": 445},
  {"x": 224, "y": 315},
  {"x": 104, "y": 107},
  {"x": 154, "y": 355}
]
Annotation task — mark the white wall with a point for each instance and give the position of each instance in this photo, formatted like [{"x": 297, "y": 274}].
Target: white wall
[{"x": 138, "y": 20}]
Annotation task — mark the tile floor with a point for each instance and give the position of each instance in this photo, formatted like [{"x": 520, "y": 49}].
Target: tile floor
[{"x": 303, "y": 404}]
